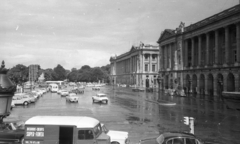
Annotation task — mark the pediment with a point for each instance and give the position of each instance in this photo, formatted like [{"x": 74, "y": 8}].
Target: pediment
[
  {"x": 166, "y": 34},
  {"x": 132, "y": 49}
]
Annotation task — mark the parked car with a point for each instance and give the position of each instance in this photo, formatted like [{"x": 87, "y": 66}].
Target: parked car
[
  {"x": 172, "y": 138},
  {"x": 117, "y": 137},
  {"x": 31, "y": 98},
  {"x": 37, "y": 93},
  {"x": 72, "y": 97},
  {"x": 12, "y": 132},
  {"x": 64, "y": 93},
  {"x": 100, "y": 98},
  {"x": 59, "y": 91},
  {"x": 20, "y": 100},
  {"x": 12, "y": 104},
  {"x": 96, "y": 88}
]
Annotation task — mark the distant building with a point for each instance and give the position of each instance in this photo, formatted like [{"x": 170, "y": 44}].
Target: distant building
[
  {"x": 139, "y": 66},
  {"x": 203, "y": 57},
  {"x": 33, "y": 73},
  {"x": 41, "y": 78}
]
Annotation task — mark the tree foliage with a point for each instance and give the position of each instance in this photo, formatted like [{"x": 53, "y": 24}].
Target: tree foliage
[
  {"x": 88, "y": 74},
  {"x": 60, "y": 73},
  {"x": 20, "y": 73}
]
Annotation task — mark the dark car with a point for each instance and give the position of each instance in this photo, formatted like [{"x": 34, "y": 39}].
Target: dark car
[
  {"x": 12, "y": 132},
  {"x": 172, "y": 138}
]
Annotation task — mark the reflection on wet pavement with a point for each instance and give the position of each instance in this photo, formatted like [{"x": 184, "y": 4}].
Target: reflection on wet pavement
[{"x": 213, "y": 121}]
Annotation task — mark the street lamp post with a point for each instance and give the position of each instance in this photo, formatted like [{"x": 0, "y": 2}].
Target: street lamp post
[
  {"x": 7, "y": 89},
  {"x": 220, "y": 82},
  {"x": 159, "y": 82}
]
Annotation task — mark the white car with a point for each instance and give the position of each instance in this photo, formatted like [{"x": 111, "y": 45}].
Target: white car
[
  {"x": 100, "y": 98},
  {"x": 20, "y": 100},
  {"x": 64, "y": 93},
  {"x": 12, "y": 104},
  {"x": 37, "y": 92},
  {"x": 72, "y": 97},
  {"x": 117, "y": 137}
]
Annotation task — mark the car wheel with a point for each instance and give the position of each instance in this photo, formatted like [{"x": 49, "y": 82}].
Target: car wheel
[
  {"x": 22, "y": 140},
  {"x": 115, "y": 143},
  {"x": 25, "y": 103},
  {"x": 106, "y": 101}
]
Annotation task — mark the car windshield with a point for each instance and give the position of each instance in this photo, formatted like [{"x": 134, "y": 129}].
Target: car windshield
[
  {"x": 97, "y": 130},
  {"x": 102, "y": 95},
  {"x": 104, "y": 129},
  {"x": 160, "y": 139}
]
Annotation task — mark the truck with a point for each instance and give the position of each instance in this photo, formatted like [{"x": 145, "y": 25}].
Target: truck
[{"x": 64, "y": 130}]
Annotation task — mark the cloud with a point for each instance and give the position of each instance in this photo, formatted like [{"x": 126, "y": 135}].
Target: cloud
[{"x": 79, "y": 32}]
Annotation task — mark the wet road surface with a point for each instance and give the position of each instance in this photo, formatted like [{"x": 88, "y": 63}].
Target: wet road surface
[{"x": 141, "y": 115}]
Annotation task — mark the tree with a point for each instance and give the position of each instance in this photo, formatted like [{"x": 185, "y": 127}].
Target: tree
[
  {"x": 73, "y": 76},
  {"x": 60, "y": 73},
  {"x": 18, "y": 74}
]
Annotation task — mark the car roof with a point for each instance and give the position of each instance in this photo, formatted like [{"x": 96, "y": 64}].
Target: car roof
[
  {"x": 78, "y": 121},
  {"x": 168, "y": 135},
  {"x": 101, "y": 94}
]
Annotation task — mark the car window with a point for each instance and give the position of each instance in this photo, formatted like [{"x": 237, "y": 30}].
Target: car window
[
  {"x": 169, "y": 142},
  {"x": 190, "y": 141},
  {"x": 97, "y": 130},
  {"x": 85, "y": 134},
  {"x": 178, "y": 141}
]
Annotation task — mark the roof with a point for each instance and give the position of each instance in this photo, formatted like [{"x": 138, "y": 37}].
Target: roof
[
  {"x": 177, "y": 134},
  {"x": 101, "y": 94},
  {"x": 79, "y": 121}
]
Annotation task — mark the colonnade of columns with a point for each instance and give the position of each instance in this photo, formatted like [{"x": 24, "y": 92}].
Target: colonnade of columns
[
  {"x": 220, "y": 47},
  {"x": 167, "y": 52}
]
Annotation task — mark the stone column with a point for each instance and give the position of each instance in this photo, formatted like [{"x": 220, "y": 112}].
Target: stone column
[
  {"x": 186, "y": 52},
  {"x": 193, "y": 49},
  {"x": 206, "y": 85},
  {"x": 237, "y": 87},
  {"x": 207, "y": 49},
  {"x": 170, "y": 57},
  {"x": 166, "y": 57},
  {"x": 216, "y": 48},
  {"x": 238, "y": 42},
  {"x": 162, "y": 58},
  {"x": 199, "y": 50},
  {"x": 226, "y": 45},
  {"x": 150, "y": 62}
]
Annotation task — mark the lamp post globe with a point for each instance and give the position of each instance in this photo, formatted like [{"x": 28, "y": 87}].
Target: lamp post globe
[{"x": 7, "y": 89}]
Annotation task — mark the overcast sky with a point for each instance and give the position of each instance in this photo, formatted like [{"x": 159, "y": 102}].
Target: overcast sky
[{"x": 74, "y": 33}]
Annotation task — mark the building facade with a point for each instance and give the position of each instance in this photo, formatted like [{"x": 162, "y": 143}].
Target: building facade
[
  {"x": 203, "y": 57},
  {"x": 33, "y": 73},
  {"x": 139, "y": 66}
]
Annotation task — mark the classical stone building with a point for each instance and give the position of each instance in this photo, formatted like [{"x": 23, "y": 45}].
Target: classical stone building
[
  {"x": 139, "y": 66},
  {"x": 203, "y": 57}
]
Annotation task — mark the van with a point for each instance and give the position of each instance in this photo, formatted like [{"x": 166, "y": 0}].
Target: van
[
  {"x": 53, "y": 87},
  {"x": 64, "y": 130}
]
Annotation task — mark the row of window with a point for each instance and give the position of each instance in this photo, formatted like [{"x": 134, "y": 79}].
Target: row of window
[
  {"x": 147, "y": 69},
  {"x": 154, "y": 57}
]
